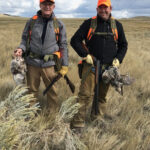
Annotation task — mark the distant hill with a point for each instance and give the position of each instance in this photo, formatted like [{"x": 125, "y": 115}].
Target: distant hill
[
  {"x": 146, "y": 18},
  {"x": 142, "y": 17},
  {"x": 7, "y": 15},
  {"x": 4, "y": 15}
]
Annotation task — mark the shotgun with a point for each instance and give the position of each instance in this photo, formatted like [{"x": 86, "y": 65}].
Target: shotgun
[
  {"x": 98, "y": 70},
  {"x": 96, "y": 90}
]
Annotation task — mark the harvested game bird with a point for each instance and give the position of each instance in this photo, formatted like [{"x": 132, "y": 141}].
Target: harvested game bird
[
  {"x": 113, "y": 76},
  {"x": 18, "y": 69}
]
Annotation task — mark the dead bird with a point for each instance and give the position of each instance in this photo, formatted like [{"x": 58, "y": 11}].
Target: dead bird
[
  {"x": 18, "y": 69},
  {"x": 113, "y": 76}
]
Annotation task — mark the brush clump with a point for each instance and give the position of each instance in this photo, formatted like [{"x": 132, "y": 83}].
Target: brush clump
[{"x": 21, "y": 127}]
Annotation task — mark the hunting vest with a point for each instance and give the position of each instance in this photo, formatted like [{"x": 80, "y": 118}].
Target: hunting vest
[
  {"x": 56, "y": 55},
  {"x": 91, "y": 32},
  {"x": 56, "y": 29},
  {"x": 33, "y": 20},
  {"x": 93, "y": 27}
]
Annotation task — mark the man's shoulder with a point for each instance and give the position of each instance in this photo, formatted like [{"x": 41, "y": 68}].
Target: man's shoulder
[
  {"x": 35, "y": 17},
  {"x": 88, "y": 20},
  {"x": 59, "y": 21},
  {"x": 31, "y": 20},
  {"x": 119, "y": 26},
  {"x": 118, "y": 23},
  {"x": 28, "y": 22}
]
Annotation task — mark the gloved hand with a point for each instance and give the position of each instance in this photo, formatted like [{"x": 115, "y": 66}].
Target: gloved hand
[
  {"x": 63, "y": 71},
  {"x": 116, "y": 63},
  {"x": 88, "y": 59}
]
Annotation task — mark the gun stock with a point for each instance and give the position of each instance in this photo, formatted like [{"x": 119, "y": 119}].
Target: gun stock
[{"x": 71, "y": 85}]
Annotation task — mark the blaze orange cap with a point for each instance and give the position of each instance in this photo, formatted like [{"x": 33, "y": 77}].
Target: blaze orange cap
[
  {"x": 104, "y": 2},
  {"x": 41, "y": 1}
]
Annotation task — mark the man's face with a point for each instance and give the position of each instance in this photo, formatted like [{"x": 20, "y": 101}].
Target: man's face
[
  {"x": 47, "y": 8},
  {"x": 104, "y": 11}
]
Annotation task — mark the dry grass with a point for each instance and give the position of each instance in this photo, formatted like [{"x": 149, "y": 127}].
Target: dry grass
[{"x": 129, "y": 128}]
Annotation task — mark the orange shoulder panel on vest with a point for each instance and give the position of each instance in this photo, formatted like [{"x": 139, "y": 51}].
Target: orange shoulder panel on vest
[
  {"x": 94, "y": 17},
  {"x": 115, "y": 31},
  {"x": 35, "y": 17},
  {"x": 91, "y": 30},
  {"x": 58, "y": 53}
]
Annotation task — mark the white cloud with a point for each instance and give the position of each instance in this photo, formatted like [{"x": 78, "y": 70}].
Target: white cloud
[
  {"x": 17, "y": 12},
  {"x": 26, "y": 4},
  {"x": 36, "y": 4},
  {"x": 122, "y": 14},
  {"x": 68, "y": 5},
  {"x": 65, "y": 15},
  {"x": 18, "y": 7},
  {"x": 77, "y": 8},
  {"x": 15, "y": 7}
]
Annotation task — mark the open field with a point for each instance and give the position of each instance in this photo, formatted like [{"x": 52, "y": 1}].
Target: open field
[{"x": 129, "y": 127}]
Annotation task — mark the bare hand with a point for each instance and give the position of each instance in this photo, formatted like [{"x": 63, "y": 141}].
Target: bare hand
[{"x": 18, "y": 52}]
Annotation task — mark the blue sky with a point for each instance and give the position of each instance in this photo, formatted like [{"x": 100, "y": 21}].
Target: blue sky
[{"x": 77, "y": 8}]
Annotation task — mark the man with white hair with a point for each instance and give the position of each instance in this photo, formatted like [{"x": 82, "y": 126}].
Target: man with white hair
[{"x": 44, "y": 44}]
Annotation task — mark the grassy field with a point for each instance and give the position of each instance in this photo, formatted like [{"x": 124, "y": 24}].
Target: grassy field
[{"x": 129, "y": 127}]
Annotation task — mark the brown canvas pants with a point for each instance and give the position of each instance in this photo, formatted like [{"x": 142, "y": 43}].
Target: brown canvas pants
[
  {"x": 34, "y": 74},
  {"x": 85, "y": 98}
]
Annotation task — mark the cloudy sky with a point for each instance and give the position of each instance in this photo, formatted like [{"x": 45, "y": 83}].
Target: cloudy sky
[{"x": 76, "y": 8}]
